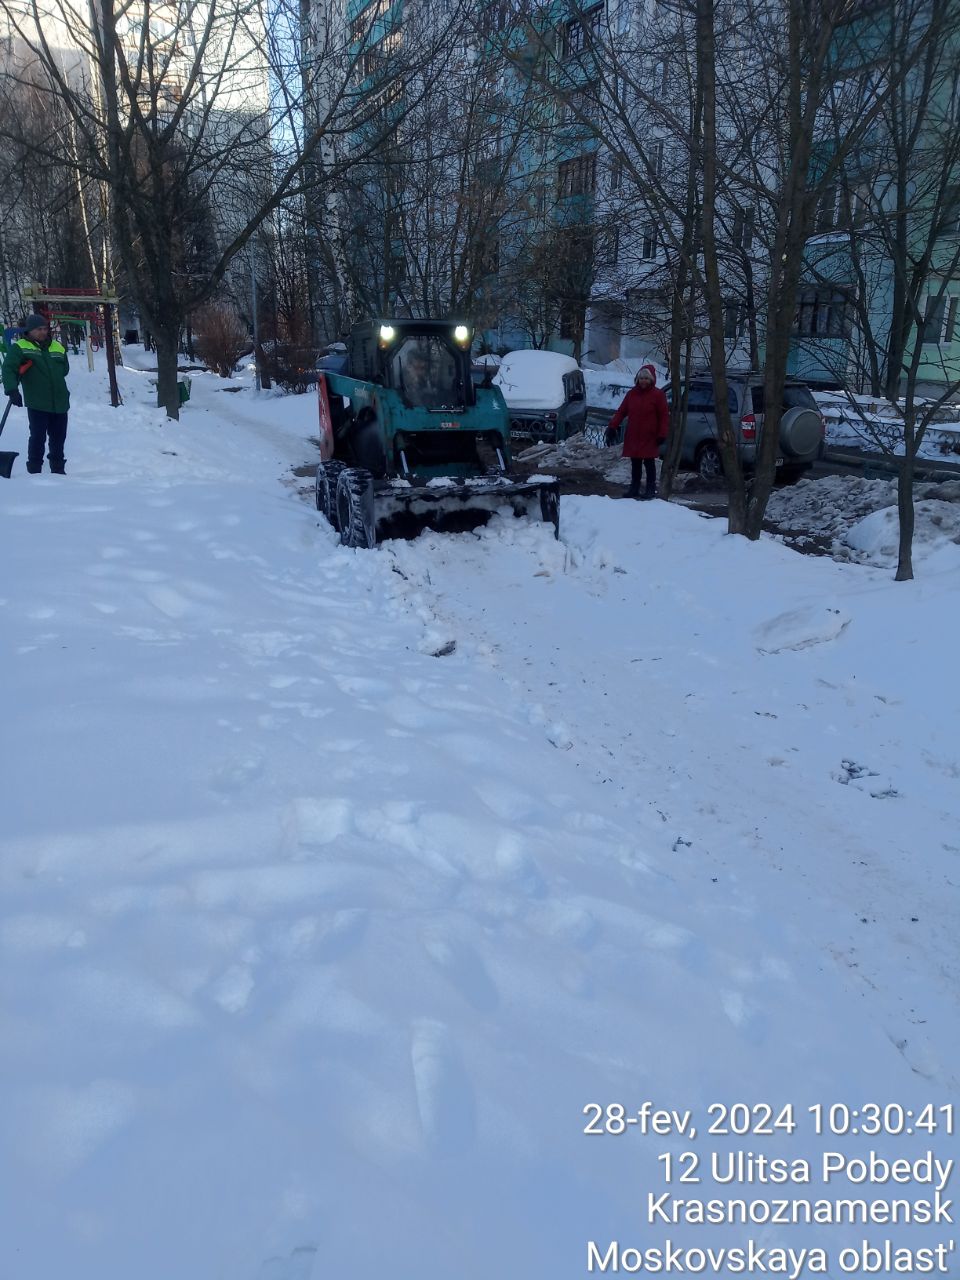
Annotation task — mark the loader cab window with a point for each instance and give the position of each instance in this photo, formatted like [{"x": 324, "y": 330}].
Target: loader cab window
[{"x": 425, "y": 370}]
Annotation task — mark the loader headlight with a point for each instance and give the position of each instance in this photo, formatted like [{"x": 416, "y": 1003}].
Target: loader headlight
[
  {"x": 387, "y": 333},
  {"x": 461, "y": 333}
]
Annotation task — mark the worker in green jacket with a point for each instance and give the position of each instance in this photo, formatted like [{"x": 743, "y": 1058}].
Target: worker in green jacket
[{"x": 39, "y": 365}]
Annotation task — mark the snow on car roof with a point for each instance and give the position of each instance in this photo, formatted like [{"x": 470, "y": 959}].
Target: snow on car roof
[{"x": 534, "y": 379}]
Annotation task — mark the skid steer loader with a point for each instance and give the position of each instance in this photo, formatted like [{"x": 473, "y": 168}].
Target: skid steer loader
[{"x": 407, "y": 442}]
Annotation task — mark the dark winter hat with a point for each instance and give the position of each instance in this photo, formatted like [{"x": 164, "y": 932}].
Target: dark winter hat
[{"x": 34, "y": 321}]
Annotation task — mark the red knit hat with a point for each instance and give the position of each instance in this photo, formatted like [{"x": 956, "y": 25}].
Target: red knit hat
[{"x": 647, "y": 368}]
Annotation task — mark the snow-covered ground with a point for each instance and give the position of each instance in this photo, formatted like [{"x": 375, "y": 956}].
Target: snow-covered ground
[
  {"x": 337, "y": 884},
  {"x": 857, "y": 422}
]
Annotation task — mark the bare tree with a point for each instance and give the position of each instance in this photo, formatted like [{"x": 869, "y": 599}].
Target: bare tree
[
  {"x": 892, "y": 271},
  {"x": 51, "y": 228},
  {"x": 196, "y": 109}
]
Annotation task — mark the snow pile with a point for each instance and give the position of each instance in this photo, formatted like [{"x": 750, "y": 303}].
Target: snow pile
[
  {"x": 857, "y": 518},
  {"x": 580, "y": 452},
  {"x": 875, "y": 538},
  {"x": 336, "y": 885},
  {"x": 534, "y": 379}
]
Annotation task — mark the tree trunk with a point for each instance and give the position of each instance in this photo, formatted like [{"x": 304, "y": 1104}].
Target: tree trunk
[
  {"x": 905, "y": 510},
  {"x": 684, "y": 313},
  {"x": 671, "y": 460},
  {"x": 166, "y": 341},
  {"x": 260, "y": 358},
  {"x": 713, "y": 288}
]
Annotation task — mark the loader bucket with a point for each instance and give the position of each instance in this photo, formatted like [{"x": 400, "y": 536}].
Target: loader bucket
[
  {"x": 404, "y": 512},
  {"x": 6, "y": 464}
]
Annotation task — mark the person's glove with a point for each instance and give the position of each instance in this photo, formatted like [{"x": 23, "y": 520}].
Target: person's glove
[
  {"x": 608, "y": 436},
  {"x": 17, "y": 399}
]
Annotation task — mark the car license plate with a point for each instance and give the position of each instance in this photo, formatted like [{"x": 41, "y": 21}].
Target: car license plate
[{"x": 779, "y": 462}]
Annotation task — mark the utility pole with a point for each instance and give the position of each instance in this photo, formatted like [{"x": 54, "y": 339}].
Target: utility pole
[{"x": 256, "y": 325}]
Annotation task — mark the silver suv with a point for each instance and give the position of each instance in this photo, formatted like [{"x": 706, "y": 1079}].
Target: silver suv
[{"x": 801, "y": 426}]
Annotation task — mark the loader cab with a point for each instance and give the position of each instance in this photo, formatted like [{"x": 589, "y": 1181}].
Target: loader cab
[{"x": 426, "y": 361}]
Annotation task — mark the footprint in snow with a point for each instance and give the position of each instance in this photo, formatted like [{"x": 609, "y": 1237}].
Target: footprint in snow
[
  {"x": 865, "y": 779},
  {"x": 232, "y": 990},
  {"x": 466, "y": 971},
  {"x": 299, "y": 1266},
  {"x": 444, "y": 1095},
  {"x": 234, "y": 775}
]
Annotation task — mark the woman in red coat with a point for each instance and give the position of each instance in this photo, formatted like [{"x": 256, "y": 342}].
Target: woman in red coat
[{"x": 648, "y": 419}]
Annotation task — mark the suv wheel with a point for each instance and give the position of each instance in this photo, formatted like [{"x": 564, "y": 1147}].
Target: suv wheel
[{"x": 709, "y": 463}]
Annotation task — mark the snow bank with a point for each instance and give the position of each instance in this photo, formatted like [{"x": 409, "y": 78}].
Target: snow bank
[
  {"x": 859, "y": 422},
  {"x": 858, "y": 517},
  {"x": 875, "y": 538}
]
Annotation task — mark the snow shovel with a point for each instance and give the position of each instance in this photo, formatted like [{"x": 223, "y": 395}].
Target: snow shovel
[{"x": 6, "y": 459}]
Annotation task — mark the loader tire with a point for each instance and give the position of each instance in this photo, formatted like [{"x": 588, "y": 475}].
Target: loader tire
[
  {"x": 355, "y": 508},
  {"x": 328, "y": 473}
]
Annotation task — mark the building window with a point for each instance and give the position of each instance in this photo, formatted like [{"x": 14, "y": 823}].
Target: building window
[
  {"x": 950, "y": 217},
  {"x": 362, "y": 24},
  {"x": 579, "y": 33},
  {"x": 734, "y": 316},
  {"x": 490, "y": 258},
  {"x": 931, "y": 331},
  {"x": 616, "y": 174},
  {"x": 572, "y": 318},
  {"x": 581, "y": 106},
  {"x": 578, "y": 177},
  {"x": 610, "y": 246},
  {"x": 823, "y": 313},
  {"x": 827, "y": 212},
  {"x": 654, "y": 157},
  {"x": 951, "y": 319},
  {"x": 743, "y": 226},
  {"x": 648, "y": 248}
]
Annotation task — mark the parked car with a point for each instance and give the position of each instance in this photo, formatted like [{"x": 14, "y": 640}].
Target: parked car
[
  {"x": 802, "y": 427},
  {"x": 545, "y": 394}
]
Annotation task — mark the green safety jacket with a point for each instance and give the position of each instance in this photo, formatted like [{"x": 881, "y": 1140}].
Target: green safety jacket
[{"x": 45, "y": 382}]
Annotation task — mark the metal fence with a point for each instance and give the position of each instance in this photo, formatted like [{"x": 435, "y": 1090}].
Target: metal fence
[{"x": 596, "y": 427}]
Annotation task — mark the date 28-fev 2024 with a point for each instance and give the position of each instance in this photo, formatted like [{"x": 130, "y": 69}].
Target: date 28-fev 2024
[{"x": 741, "y": 1119}]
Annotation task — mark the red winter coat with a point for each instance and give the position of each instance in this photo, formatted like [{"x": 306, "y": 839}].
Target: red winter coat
[{"x": 648, "y": 420}]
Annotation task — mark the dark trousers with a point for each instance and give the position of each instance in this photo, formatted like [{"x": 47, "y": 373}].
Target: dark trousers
[
  {"x": 47, "y": 430},
  {"x": 637, "y": 466}
]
